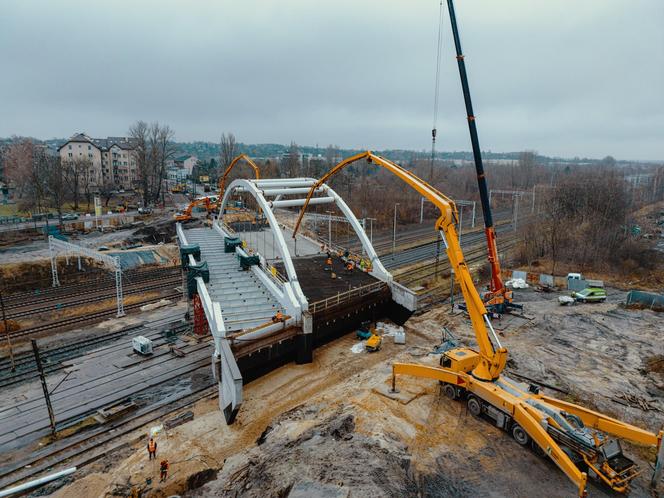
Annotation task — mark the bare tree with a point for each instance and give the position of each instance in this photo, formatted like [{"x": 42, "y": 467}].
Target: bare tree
[
  {"x": 153, "y": 160},
  {"x": 332, "y": 155},
  {"x": 525, "y": 169},
  {"x": 86, "y": 183},
  {"x": 138, "y": 132},
  {"x": 165, "y": 150},
  {"x": 292, "y": 163},
  {"x": 106, "y": 191},
  {"x": 76, "y": 172},
  {"x": 154, "y": 147},
  {"x": 25, "y": 172},
  {"x": 55, "y": 184},
  {"x": 227, "y": 150}
]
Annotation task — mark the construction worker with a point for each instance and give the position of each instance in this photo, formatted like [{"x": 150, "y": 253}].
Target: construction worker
[
  {"x": 163, "y": 470},
  {"x": 279, "y": 317},
  {"x": 152, "y": 449},
  {"x": 328, "y": 261},
  {"x": 349, "y": 265}
]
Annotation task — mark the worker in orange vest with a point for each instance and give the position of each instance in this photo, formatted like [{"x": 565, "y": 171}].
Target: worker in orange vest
[
  {"x": 163, "y": 467},
  {"x": 279, "y": 317},
  {"x": 152, "y": 449}
]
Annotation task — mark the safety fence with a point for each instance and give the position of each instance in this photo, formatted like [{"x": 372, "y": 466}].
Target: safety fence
[
  {"x": 534, "y": 278},
  {"x": 642, "y": 299},
  {"x": 343, "y": 297}
]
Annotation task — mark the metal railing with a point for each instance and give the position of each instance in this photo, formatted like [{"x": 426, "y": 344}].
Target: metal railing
[{"x": 342, "y": 297}]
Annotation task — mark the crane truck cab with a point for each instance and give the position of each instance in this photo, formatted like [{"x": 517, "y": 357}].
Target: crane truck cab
[{"x": 460, "y": 360}]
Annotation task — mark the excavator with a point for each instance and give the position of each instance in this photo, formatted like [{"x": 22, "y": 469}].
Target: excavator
[
  {"x": 209, "y": 203},
  {"x": 577, "y": 439},
  {"x": 212, "y": 205}
]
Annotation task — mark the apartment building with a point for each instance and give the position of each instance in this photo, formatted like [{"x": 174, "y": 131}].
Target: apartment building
[{"x": 112, "y": 160}]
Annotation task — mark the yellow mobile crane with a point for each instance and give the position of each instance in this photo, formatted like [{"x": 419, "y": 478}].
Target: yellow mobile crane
[{"x": 575, "y": 438}]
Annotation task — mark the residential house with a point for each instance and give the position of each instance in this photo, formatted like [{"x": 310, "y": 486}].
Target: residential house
[
  {"x": 186, "y": 162},
  {"x": 113, "y": 160}
]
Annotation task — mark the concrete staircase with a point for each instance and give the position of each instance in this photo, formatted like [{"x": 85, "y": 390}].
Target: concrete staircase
[{"x": 245, "y": 302}]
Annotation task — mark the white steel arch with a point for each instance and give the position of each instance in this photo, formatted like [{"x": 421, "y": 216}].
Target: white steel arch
[
  {"x": 249, "y": 186},
  {"x": 276, "y": 188}
]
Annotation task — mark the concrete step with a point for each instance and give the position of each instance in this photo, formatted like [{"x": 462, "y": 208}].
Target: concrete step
[
  {"x": 254, "y": 297},
  {"x": 258, "y": 319},
  {"x": 242, "y": 313}
]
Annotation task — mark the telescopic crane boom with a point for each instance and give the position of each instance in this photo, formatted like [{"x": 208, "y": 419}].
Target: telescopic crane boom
[
  {"x": 499, "y": 297},
  {"x": 571, "y": 435}
]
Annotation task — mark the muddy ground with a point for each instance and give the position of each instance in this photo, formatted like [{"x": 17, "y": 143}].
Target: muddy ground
[{"x": 328, "y": 426}]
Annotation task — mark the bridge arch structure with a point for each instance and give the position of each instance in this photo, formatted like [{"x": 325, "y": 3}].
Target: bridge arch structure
[{"x": 285, "y": 293}]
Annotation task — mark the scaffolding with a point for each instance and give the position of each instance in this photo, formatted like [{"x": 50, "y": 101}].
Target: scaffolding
[{"x": 57, "y": 247}]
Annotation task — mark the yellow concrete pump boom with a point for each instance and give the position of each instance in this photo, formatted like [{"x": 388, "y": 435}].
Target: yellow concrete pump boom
[
  {"x": 564, "y": 431},
  {"x": 493, "y": 358},
  {"x": 222, "y": 181}
]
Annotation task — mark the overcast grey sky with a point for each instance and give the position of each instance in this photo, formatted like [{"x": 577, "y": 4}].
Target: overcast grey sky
[{"x": 563, "y": 77}]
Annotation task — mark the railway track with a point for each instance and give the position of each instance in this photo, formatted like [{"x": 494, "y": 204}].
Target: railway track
[
  {"x": 422, "y": 233},
  {"x": 85, "y": 448},
  {"x": 38, "y": 306},
  {"x": 77, "y": 320},
  {"x": 475, "y": 254},
  {"x": 55, "y": 293},
  {"x": 53, "y": 358}
]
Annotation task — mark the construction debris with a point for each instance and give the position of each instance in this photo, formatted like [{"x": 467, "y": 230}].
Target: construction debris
[{"x": 636, "y": 402}]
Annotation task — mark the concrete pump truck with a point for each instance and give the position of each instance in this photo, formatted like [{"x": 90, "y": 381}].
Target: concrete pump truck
[{"x": 577, "y": 439}]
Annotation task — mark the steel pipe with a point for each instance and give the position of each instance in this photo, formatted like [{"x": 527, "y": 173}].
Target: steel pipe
[
  {"x": 283, "y": 183},
  {"x": 36, "y": 482},
  {"x": 272, "y": 192},
  {"x": 282, "y": 180},
  {"x": 300, "y": 202}
]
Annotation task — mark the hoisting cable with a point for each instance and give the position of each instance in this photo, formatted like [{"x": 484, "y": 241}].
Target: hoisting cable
[{"x": 439, "y": 46}]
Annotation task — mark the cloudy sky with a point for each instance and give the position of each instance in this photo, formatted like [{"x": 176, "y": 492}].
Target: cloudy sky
[{"x": 563, "y": 77}]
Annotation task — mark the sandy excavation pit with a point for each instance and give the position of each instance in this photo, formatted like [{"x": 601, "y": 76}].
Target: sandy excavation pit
[{"x": 323, "y": 426}]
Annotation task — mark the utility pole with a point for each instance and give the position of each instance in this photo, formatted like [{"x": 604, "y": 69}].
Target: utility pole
[
  {"x": 452, "y": 269},
  {"x": 371, "y": 220},
  {"x": 394, "y": 231},
  {"x": 47, "y": 397},
  {"x": 516, "y": 210},
  {"x": 9, "y": 341},
  {"x": 329, "y": 230},
  {"x": 421, "y": 210}
]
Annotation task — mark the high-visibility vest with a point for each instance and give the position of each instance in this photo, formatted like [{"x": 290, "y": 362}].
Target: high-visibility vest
[{"x": 152, "y": 446}]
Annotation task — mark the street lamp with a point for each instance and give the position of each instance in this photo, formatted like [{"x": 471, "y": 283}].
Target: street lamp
[
  {"x": 394, "y": 231},
  {"x": 329, "y": 230}
]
